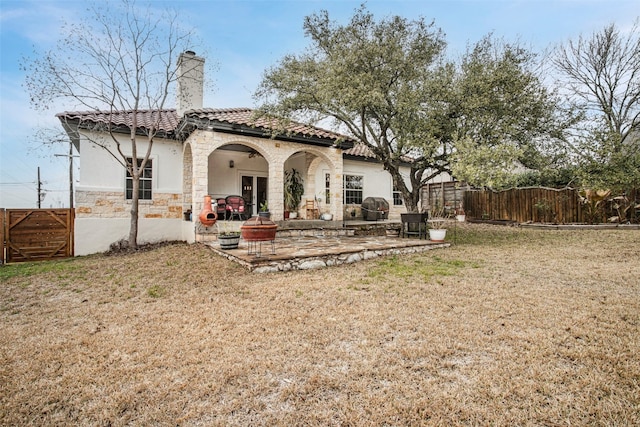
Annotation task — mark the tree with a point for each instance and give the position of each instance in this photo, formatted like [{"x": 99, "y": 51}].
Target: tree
[
  {"x": 602, "y": 75},
  {"x": 119, "y": 61},
  {"x": 503, "y": 117},
  {"x": 389, "y": 85}
]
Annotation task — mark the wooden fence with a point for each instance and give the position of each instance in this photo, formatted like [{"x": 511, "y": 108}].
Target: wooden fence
[
  {"x": 535, "y": 204},
  {"x": 447, "y": 195},
  {"x": 36, "y": 234}
]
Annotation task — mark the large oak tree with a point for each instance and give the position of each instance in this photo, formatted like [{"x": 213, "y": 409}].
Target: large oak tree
[{"x": 389, "y": 85}]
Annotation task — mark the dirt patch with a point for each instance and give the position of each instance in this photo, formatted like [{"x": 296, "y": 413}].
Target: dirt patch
[{"x": 507, "y": 327}]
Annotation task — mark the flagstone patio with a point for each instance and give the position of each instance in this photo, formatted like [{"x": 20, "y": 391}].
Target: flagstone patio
[{"x": 309, "y": 252}]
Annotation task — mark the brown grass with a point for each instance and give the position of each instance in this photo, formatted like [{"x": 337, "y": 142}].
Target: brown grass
[{"x": 508, "y": 327}]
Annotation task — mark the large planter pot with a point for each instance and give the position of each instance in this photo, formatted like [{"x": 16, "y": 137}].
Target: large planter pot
[
  {"x": 414, "y": 217},
  {"x": 437, "y": 234},
  {"x": 229, "y": 241},
  {"x": 258, "y": 229}
]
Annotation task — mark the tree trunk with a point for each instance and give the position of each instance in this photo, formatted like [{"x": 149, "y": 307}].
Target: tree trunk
[{"x": 133, "y": 229}]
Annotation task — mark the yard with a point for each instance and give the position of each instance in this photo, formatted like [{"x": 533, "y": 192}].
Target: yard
[{"x": 507, "y": 327}]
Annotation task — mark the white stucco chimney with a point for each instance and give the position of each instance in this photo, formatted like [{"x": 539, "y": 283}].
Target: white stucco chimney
[{"x": 190, "y": 82}]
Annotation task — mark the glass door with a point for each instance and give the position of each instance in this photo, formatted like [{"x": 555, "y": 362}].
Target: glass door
[
  {"x": 254, "y": 192},
  {"x": 247, "y": 193},
  {"x": 262, "y": 190}
]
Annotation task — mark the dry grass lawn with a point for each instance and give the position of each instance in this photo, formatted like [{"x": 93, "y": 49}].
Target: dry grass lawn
[{"x": 507, "y": 327}]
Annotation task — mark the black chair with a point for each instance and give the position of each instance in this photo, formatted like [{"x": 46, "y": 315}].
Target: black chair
[{"x": 221, "y": 208}]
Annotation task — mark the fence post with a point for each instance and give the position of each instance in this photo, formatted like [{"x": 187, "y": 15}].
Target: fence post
[{"x": 2, "y": 234}]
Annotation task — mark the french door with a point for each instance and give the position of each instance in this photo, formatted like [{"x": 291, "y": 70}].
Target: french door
[{"x": 254, "y": 192}]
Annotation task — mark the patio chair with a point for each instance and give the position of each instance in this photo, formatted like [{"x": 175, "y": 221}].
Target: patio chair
[
  {"x": 312, "y": 210},
  {"x": 221, "y": 208},
  {"x": 235, "y": 206}
]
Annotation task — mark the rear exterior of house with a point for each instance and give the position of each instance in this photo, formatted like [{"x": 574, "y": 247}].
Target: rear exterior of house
[{"x": 216, "y": 152}]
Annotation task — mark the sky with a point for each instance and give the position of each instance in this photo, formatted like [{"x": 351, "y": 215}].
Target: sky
[{"x": 244, "y": 38}]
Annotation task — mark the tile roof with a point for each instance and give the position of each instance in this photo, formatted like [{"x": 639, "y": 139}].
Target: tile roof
[
  {"x": 166, "y": 120},
  {"x": 360, "y": 150},
  {"x": 169, "y": 121},
  {"x": 245, "y": 117}
]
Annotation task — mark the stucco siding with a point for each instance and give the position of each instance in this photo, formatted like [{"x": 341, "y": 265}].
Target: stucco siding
[{"x": 94, "y": 235}]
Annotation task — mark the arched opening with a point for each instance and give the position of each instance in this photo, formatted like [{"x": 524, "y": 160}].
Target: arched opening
[
  {"x": 239, "y": 170},
  {"x": 317, "y": 172},
  {"x": 187, "y": 182}
]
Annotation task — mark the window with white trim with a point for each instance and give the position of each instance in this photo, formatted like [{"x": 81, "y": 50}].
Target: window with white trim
[
  {"x": 327, "y": 188},
  {"x": 397, "y": 197},
  {"x": 353, "y": 189},
  {"x": 144, "y": 192}
]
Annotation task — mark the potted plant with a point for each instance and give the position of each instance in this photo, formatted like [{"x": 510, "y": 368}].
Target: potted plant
[
  {"x": 264, "y": 210},
  {"x": 228, "y": 239},
  {"x": 293, "y": 191},
  {"x": 460, "y": 215},
  {"x": 437, "y": 219}
]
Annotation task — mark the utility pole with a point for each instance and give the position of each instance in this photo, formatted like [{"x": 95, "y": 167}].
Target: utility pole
[
  {"x": 70, "y": 156},
  {"x": 40, "y": 196}
]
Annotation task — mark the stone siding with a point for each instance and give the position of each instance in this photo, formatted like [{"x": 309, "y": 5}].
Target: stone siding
[{"x": 112, "y": 204}]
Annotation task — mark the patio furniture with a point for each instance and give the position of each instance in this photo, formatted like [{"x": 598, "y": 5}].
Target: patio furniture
[
  {"x": 414, "y": 224},
  {"x": 375, "y": 208},
  {"x": 221, "y": 208},
  {"x": 235, "y": 206},
  {"x": 256, "y": 230},
  {"x": 312, "y": 210}
]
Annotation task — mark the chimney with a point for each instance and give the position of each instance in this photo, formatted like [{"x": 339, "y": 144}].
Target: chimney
[{"x": 190, "y": 82}]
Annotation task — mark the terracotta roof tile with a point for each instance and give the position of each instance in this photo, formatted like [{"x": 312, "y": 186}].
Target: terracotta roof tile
[
  {"x": 165, "y": 120},
  {"x": 168, "y": 122},
  {"x": 360, "y": 150},
  {"x": 244, "y": 116}
]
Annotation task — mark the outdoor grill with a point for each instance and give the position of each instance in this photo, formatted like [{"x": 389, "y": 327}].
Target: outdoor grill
[{"x": 375, "y": 208}]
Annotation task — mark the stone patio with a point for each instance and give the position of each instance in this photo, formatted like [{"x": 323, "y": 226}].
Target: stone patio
[{"x": 297, "y": 248}]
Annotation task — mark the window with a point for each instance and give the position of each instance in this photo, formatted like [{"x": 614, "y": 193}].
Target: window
[
  {"x": 327, "y": 188},
  {"x": 353, "y": 186},
  {"x": 397, "y": 197},
  {"x": 144, "y": 192}
]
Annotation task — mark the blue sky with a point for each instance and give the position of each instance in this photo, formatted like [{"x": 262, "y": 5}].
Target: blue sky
[{"x": 244, "y": 37}]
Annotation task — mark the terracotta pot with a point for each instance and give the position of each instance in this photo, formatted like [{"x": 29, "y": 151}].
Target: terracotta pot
[
  {"x": 258, "y": 229},
  {"x": 207, "y": 216}
]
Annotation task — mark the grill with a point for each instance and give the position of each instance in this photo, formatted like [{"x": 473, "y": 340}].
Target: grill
[{"x": 375, "y": 208}]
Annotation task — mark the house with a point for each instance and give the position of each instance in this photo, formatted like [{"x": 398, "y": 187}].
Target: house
[{"x": 217, "y": 152}]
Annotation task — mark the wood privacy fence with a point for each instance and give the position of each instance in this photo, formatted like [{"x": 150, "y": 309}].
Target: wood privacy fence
[
  {"x": 536, "y": 204},
  {"x": 36, "y": 234},
  {"x": 447, "y": 195}
]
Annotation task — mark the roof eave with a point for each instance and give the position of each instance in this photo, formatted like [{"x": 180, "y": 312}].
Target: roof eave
[{"x": 259, "y": 132}]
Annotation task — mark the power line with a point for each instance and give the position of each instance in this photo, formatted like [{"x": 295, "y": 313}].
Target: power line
[{"x": 17, "y": 183}]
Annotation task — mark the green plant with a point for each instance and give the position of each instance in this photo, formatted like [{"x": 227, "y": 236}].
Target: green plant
[
  {"x": 226, "y": 231},
  {"x": 594, "y": 204},
  {"x": 264, "y": 206},
  {"x": 293, "y": 190},
  {"x": 155, "y": 291}
]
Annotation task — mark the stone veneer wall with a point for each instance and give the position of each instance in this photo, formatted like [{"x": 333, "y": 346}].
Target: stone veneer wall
[{"x": 111, "y": 204}]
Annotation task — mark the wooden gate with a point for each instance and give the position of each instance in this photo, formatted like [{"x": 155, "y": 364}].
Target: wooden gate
[{"x": 37, "y": 234}]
